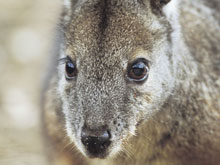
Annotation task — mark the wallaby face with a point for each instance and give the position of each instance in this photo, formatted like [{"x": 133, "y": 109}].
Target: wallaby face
[{"x": 113, "y": 58}]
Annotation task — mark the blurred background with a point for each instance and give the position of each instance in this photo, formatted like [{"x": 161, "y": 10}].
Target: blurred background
[{"x": 26, "y": 34}]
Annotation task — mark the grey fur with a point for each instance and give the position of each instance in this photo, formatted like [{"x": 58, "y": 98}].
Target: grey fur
[{"x": 171, "y": 118}]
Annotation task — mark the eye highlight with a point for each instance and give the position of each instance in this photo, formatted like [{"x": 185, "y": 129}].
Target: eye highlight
[
  {"x": 138, "y": 70},
  {"x": 70, "y": 68}
]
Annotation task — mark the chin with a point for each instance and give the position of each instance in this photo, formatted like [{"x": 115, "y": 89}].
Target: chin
[{"x": 92, "y": 152}]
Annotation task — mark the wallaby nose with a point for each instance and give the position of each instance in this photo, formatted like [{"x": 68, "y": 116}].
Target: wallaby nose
[{"x": 96, "y": 141}]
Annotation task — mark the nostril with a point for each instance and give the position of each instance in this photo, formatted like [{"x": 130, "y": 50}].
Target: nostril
[{"x": 96, "y": 144}]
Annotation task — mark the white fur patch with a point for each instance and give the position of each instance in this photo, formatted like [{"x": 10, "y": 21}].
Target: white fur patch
[
  {"x": 171, "y": 9},
  {"x": 67, "y": 7},
  {"x": 67, "y": 3},
  {"x": 61, "y": 73}
]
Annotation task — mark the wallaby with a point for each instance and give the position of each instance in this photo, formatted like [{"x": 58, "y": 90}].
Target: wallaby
[{"x": 137, "y": 82}]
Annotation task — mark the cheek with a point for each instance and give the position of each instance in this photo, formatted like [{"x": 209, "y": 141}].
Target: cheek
[
  {"x": 144, "y": 99},
  {"x": 61, "y": 87},
  {"x": 73, "y": 119},
  {"x": 141, "y": 106},
  {"x": 160, "y": 82}
]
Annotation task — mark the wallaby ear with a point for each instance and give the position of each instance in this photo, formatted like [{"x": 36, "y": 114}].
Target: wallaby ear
[{"x": 157, "y": 5}]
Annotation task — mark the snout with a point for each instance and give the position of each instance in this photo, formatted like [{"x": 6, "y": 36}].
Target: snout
[{"x": 96, "y": 141}]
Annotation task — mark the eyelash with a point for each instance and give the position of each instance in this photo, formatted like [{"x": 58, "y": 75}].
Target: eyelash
[{"x": 64, "y": 60}]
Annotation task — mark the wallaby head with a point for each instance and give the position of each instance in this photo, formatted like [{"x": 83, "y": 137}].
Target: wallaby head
[{"x": 116, "y": 70}]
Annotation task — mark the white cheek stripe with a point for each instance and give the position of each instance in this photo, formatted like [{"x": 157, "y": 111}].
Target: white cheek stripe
[{"x": 61, "y": 73}]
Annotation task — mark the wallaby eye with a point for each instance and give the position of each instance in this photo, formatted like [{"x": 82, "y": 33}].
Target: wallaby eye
[
  {"x": 71, "y": 70},
  {"x": 138, "y": 70}
]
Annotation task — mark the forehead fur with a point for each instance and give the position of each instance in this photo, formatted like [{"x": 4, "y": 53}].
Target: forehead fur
[{"x": 107, "y": 28}]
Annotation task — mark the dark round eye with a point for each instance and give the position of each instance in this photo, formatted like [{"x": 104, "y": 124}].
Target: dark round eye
[
  {"x": 71, "y": 70},
  {"x": 138, "y": 70}
]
